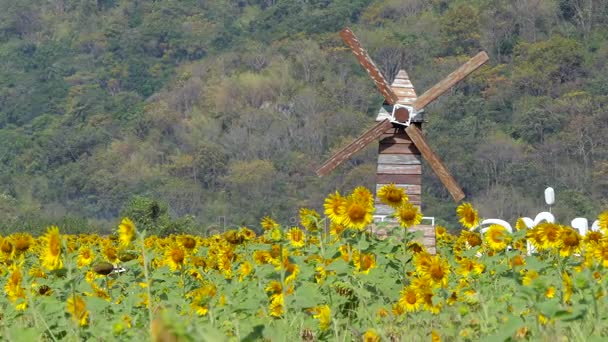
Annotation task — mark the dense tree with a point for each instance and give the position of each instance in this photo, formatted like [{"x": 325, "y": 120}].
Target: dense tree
[{"x": 225, "y": 108}]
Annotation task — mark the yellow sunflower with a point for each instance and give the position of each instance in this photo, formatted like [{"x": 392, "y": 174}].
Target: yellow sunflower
[
  {"x": 410, "y": 299},
  {"x": 408, "y": 215},
  {"x": 323, "y": 314},
  {"x": 51, "y": 253},
  {"x": 363, "y": 195},
  {"x": 571, "y": 242},
  {"x": 497, "y": 237},
  {"x": 334, "y": 206},
  {"x": 85, "y": 257},
  {"x": 13, "y": 287},
  {"x": 370, "y": 335},
  {"x": 603, "y": 221},
  {"x": 126, "y": 232},
  {"x": 364, "y": 262},
  {"x": 468, "y": 266},
  {"x": 357, "y": 213},
  {"x": 296, "y": 237},
  {"x": 436, "y": 272},
  {"x": 392, "y": 195},
  {"x": 548, "y": 235},
  {"x": 468, "y": 215},
  {"x": 175, "y": 257}
]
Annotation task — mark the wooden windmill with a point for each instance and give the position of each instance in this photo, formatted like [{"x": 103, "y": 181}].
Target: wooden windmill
[{"x": 402, "y": 143}]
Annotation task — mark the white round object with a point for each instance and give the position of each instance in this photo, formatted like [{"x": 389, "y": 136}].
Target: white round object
[{"x": 549, "y": 196}]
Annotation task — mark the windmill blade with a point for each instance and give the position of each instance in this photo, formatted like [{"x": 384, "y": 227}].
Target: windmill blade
[
  {"x": 436, "y": 164},
  {"x": 353, "y": 42},
  {"x": 363, "y": 140},
  {"x": 448, "y": 82}
]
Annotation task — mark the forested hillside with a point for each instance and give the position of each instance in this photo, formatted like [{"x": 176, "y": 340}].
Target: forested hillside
[{"x": 224, "y": 108}]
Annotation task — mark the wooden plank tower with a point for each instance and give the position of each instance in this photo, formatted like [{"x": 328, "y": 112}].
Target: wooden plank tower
[{"x": 399, "y": 160}]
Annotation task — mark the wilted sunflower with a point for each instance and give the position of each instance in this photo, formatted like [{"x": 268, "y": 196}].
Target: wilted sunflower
[
  {"x": 468, "y": 215},
  {"x": 126, "y": 232},
  {"x": 392, "y": 195},
  {"x": 334, "y": 207},
  {"x": 296, "y": 237},
  {"x": 51, "y": 253},
  {"x": 78, "y": 310},
  {"x": 408, "y": 215},
  {"x": 497, "y": 237}
]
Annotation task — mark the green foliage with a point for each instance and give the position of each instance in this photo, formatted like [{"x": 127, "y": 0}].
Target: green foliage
[
  {"x": 147, "y": 213},
  {"x": 225, "y": 108}
]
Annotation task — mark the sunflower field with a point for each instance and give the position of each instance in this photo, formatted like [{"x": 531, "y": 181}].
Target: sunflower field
[{"x": 329, "y": 278}]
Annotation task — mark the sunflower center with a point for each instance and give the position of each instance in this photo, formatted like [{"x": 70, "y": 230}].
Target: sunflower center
[
  {"x": 437, "y": 272},
  {"x": 7, "y": 247},
  {"x": 356, "y": 212},
  {"x": 394, "y": 196},
  {"x": 571, "y": 240},
  {"x": 410, "y": 297},
  {"x": 178, "y": 256},
  {"x": 497, "y": 236}
]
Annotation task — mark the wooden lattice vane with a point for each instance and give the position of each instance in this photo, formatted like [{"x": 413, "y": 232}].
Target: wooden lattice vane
[{"x": 405, "y": 117}]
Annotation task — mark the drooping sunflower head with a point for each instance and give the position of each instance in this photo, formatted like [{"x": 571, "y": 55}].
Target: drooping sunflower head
[
  {"x": 468, "y": 215},
  {"x": 309, "y": 219},
  {"x": 392, "y": 195},
  {"x": 363, "y": 195},
  {"x": 22, "y": 242},
  {"x": 268, "y": 223},
  {"x": 334, "y": 207},
  {"x": 497, "y": 237},
  {"x": 473, "y": 238},
  {"x": 126, "y": 231},
  {"x": 408, "y": 215}
]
